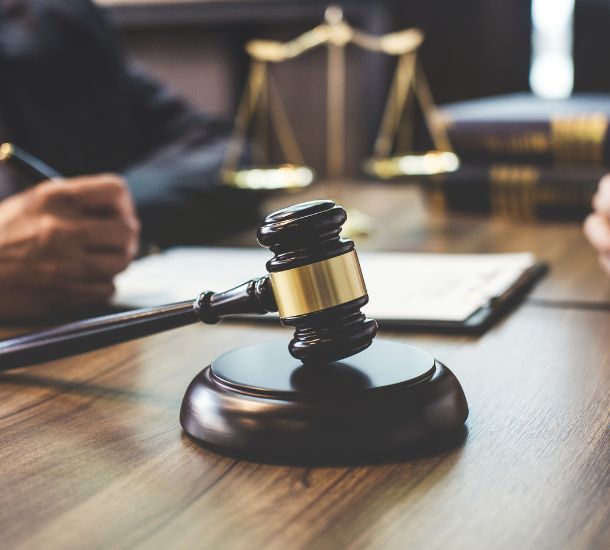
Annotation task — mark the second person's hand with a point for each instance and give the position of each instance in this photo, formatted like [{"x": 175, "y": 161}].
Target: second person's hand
[{"x": 597, "y": 225}]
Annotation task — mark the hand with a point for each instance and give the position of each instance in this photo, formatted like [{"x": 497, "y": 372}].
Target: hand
[
  {"x": 62, "y": 242},
  {"x": 597, "y": 225}
]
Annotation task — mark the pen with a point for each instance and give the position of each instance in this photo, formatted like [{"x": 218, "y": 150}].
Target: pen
[{"x": 25, "y": 162}]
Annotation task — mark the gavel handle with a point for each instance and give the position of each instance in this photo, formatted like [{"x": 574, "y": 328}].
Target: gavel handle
[{"x": 255, "y": 296}]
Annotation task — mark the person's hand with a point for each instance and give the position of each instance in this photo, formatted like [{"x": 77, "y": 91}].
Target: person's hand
[
  {"x": 62, "y": 242},
  {"x": 597, "y": 225}
]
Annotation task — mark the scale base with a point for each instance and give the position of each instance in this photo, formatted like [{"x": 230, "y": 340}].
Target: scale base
[{"x": 259, "y": 402}]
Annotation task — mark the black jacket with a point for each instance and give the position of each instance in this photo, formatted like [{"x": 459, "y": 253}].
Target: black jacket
[{"x": 68, "y": 95}]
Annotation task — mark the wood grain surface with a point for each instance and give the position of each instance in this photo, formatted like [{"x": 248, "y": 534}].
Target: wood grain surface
[{"x": 93, "y": 455}]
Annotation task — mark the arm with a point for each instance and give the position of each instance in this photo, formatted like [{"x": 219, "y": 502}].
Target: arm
[
  {"x": 70, "y": 97},
  {"x": 176, "y": 182},
  {"x": 173, "y": 173}
]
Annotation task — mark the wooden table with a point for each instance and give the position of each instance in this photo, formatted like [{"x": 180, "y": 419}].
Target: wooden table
[{"x": 93, "y": 456}]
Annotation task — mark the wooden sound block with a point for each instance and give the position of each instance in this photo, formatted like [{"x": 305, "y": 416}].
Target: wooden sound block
[{"x": 261, "y": 402}]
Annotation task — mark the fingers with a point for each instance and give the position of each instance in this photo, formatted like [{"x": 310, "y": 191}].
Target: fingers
[
  {"x": 104, "y": 194},
  {"x": 119, "y": 234},
  {"x": 68, "y": 239},
  {"x": 597, "y": 224},
  {"x": 60, "y": 238},
  {"x": 89, "y": 250},
  {"x": 597, "y": 230},
  {"x": 95, "y": 213},
  {"x": 110, "y": 218},
  {"x": 81, "y": 253},
  {"x": 601, "y": 200}
]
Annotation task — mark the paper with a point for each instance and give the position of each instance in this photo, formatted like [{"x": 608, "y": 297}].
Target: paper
[{"x": 427, "y": 287}]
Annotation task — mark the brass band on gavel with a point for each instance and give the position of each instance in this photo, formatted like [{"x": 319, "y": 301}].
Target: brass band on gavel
[{"x": 318, "y": 286}]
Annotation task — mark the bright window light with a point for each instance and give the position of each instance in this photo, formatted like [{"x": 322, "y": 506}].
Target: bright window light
[{"x": 552, "y": 69}]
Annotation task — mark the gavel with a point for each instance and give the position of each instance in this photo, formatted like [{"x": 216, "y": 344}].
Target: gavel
[
  {"x": 314, "y": 280},
  {"x": 320, "y": 398}
]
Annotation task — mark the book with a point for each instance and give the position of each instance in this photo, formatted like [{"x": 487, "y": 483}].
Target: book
[
  {"x": 521, "y": 191},
  {"x": 461, "y": 292},
  {"x": 525, "y": 128}
]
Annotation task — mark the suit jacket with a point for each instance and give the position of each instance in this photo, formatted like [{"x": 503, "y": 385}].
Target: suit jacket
[{"x": 69, "y": 96}]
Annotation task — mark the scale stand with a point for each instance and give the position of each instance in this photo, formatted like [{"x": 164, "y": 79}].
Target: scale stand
[{"x": 262, "y": 99}]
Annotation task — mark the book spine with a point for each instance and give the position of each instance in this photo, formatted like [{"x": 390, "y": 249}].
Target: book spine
[
  {"x": 522, "y": 191},
  {"x": 576, "y": 138}
]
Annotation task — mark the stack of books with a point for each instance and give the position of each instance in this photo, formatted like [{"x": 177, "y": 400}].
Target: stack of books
[{"x": 528, "y": 157}]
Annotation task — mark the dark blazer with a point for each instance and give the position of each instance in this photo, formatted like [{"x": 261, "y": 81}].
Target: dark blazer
[{"x": 69, "y": 96}]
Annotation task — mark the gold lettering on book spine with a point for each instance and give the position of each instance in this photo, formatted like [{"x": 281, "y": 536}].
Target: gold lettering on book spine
[
  {"x": 513, "y": 191},
  {"x": 579, "y": 137},
  {"x": 517, "y": 143},
  {"x": 518, "y": 192}
]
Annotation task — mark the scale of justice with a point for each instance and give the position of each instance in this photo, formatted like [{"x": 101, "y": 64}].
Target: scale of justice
[
  {"x": 333, "y": 391},
  {"x": 262, "y": 106}
]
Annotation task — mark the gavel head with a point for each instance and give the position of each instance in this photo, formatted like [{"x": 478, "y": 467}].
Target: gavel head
[{"x": 317, "y": 282}]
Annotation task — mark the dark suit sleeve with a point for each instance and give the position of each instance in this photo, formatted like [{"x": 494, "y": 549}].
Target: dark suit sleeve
[
  {"x": 69, "y": 95},
  {"x": 175, "y": 182},
  {"x": 174, "y": 167}
]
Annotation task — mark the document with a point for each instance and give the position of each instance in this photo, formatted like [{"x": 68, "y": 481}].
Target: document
[{"x": 402, "y": 287}]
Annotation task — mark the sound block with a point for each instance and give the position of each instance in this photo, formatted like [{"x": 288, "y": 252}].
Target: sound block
[{"x": 260, "y": 401}]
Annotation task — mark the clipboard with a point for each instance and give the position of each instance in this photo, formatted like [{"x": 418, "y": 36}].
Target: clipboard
[{"x": 463, "y": 293}]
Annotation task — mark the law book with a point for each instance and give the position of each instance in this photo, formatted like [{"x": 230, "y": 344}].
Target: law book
[
  {"x": 524, "y": 128},
  {"x": 521, "y": 191}
]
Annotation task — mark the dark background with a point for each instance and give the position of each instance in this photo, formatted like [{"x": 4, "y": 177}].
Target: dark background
[{"x": 592, "y": 46}]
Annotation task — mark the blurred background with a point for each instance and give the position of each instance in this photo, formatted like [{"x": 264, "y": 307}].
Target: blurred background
[{"x": 472, "y": 49}]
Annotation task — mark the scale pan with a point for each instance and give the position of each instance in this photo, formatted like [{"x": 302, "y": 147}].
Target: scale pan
[
  {"x": 416, "y": 164},
  {"x": 270, "y": 178}
]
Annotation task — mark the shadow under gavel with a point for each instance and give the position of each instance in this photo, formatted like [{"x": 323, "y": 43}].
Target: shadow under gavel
[{"x": 314, "y": 280}]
